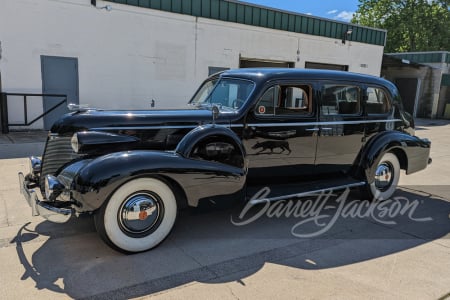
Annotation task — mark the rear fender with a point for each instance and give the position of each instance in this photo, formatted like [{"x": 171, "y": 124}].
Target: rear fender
[{"x": 411, "y": 151}]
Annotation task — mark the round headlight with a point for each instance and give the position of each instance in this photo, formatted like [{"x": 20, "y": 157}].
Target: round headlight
[
  {"x": 53, "y": 188},
  {"x": 74, "y": 143}
]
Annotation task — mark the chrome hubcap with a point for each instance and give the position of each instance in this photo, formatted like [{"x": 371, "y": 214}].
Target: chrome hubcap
[
  {"x": 140, "y": 213},
  {"x": 383, "y": 176}
]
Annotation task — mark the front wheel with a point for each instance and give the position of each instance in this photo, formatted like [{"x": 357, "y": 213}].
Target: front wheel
[
  {"x": 138, "y": 216},
  {"x": 386, "y": 178}
]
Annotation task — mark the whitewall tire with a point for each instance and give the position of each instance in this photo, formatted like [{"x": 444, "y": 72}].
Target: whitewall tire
[{"x": 138, "y": 216}]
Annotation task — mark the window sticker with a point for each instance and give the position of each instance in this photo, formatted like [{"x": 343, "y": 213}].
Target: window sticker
[{"x": 262, "y": 109}]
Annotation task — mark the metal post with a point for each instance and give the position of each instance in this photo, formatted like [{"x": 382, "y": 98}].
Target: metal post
[
  {"x": 25, "y": 109},
  {"x": 4, "y": 113}
]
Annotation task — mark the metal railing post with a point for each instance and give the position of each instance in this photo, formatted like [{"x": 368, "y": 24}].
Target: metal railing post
[
  {"x": 4, "y": 113},
  {"x": 25, "y": 108},
  {"x": 4, "y": 109}
]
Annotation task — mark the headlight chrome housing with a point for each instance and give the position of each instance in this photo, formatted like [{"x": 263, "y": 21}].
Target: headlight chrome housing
[
  {"x": 83, "y": 142},
  {"x": 35, "y": 165},
  {"x": 53, "y": 188},
  {"x": 74, "y": 143}
]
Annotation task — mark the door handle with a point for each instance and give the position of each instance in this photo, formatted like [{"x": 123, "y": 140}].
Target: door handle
[{"x": 312, "y": 129}]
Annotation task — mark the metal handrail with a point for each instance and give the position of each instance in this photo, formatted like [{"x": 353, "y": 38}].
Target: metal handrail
[{"x": 4, "y": 108}]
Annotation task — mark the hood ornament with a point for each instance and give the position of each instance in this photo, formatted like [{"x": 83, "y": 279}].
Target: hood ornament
[{"x": 79, "y": 107}]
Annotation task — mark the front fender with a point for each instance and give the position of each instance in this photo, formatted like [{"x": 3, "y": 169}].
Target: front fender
[
  {"x": 412, "y": 152},
  {"x": 199, "y": 179}
]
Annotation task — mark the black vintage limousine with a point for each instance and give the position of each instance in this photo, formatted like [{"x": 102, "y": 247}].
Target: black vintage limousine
[{"x": 295, "y": 131}]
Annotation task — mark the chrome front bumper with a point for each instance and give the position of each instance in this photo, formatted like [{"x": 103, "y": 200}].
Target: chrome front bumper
[{"x": 44, "y": 209}]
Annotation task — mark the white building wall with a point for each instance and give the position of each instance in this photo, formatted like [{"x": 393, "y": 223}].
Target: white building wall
[{"x": 130, "y": 55}]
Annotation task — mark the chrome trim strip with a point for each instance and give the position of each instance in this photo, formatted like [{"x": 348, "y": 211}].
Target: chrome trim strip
[
  {"x": 284, "y": 124},
  {"x": 251, "y": 124},
  {"x": 359, "y": 122},
  {"x": 321, "y": 123},
  {"x": 303, "y": 194},
  {"x": 145, "y": 127}
]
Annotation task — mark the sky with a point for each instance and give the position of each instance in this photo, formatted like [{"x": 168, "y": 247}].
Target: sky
[{"x": 341, "y": 10}]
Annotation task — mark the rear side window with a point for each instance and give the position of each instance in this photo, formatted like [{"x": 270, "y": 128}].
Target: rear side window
[
  {"x": 377, "y": 101},
  {"x": 286, "y": 100},
  {"x": 340, "y": 100}
]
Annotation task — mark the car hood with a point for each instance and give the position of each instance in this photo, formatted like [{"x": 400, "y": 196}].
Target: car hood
[{"x": 114, "y": 119}]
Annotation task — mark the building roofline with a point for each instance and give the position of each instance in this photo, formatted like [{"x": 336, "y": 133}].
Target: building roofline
[
  {"x": 424, "y": 57},
  {"x": 401, "y": 62},
  {"x": 304, "y": 15},
  {"x": 245, "y": 13},
  {"x": 418, "y": 52}
]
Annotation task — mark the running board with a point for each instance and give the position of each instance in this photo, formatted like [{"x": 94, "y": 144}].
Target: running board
[{"x": 306, "y": 193}]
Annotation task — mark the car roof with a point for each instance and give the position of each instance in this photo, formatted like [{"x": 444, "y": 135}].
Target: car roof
[{"x": 267, "y": 74}]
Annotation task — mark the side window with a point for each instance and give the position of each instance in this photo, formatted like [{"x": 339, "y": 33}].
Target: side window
[
  {"x": 286, "y": 100},
  {"x": 266, "y": 105},
  {"x": 340, "y": 100},
  {"x": 231, "y": 93},
  {"x": 204, "y": 91},
  {"x": 377, "y": 101}
]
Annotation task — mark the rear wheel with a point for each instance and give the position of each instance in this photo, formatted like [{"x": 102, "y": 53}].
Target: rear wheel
[
  {"x": 138, "y": 216},
  {"x": 387, "y": 175}
]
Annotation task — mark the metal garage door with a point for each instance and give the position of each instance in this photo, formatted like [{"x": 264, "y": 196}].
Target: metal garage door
[
  {"x": 255, "y": 63},
  {"x": 59, "y": 76}
]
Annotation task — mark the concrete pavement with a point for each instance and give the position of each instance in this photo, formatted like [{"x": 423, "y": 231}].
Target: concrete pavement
[{"x": 207, "y": 257}]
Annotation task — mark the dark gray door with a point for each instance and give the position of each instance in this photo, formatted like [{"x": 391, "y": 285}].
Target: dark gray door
[
  {"x": 254, "y": 63},
  {"x": 59, "y": 76},
  {"x": 320, "y": 66}
]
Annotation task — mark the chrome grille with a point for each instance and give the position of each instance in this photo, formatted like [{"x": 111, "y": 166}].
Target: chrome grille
[{"x": 57, "y": 153}]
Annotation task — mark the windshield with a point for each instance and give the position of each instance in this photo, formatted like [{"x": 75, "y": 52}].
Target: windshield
[{"x": 226, "y": 92}]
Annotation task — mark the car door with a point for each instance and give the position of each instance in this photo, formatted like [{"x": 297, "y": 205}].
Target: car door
[
  {"x": 341, "y": 129},
  {"x": 280, "y": 133},
  {"x": 378, "y": 110}
]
